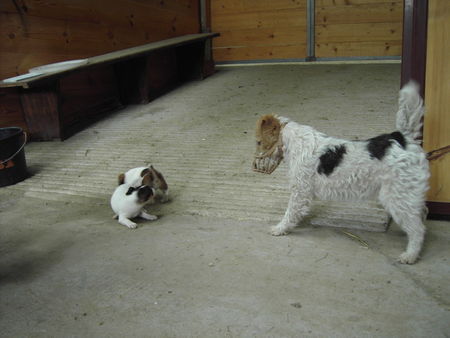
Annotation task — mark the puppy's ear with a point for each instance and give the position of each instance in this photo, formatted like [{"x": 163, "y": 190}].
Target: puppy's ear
[
  {"x": 144, "y": 172},
  {"x": 121, "y": 179},
  {"x": 148, "y": 179},
  {"x": 267, "y": 132},
  {"x": 160, "y": 182},
  {"x": 144, "y": 194}
]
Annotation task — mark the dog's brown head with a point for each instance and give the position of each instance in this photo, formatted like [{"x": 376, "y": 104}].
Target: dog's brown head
[{"x": 269, "y": 152}]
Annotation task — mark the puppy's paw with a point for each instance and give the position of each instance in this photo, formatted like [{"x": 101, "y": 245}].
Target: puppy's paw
[
  {"x": 148, "y": 217},
  {"x": 125, "y": 221},
  {"x": 131, "y": 225},
  {"x": 407, "y": 258},
  {"x": 278, "y": 231}
]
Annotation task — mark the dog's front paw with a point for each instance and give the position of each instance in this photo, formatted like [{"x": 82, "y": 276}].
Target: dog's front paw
[
  {"x": 407, "y": 258},
  {"x": 131, "y": 225},
  {"x": 278, "y": 230},
  {"x": 125, "y": 221}
]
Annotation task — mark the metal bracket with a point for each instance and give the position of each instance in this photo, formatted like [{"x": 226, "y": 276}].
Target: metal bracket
[{"x": 310, "y": 29}]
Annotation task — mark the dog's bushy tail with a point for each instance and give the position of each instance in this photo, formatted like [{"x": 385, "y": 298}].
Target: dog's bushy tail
[{"x": 410, "y": 112}]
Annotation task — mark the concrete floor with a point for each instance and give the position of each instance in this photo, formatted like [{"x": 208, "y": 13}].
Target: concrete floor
[{"x": 68, "y": 269}]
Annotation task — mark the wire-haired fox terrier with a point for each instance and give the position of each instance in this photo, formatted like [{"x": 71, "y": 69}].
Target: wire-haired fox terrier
[{"x": 392, "y": 167}]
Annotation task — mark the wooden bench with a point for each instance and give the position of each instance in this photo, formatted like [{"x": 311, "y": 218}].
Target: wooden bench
[{"x": 58, "y": 104}]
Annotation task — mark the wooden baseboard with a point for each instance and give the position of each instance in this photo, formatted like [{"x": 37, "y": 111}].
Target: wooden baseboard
[{"x": 438, "y": 210}]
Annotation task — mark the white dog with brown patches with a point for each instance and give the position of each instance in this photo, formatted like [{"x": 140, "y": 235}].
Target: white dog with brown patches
[
  {"x": 128, "y": 202},
  {"x": 138, "y": 187},
  {"x": 392, "y": 167}
]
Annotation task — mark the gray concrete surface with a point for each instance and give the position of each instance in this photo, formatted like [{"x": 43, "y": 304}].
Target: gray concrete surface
[
  {"x": 208, "y": 267},
  {"x": 67, "y": 270}
]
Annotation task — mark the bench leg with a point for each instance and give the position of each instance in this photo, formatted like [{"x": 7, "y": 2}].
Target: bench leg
[
  {"x": 190, "y": 61},
  {"x": 41, "y": 112},
  {"x": 133, "y": 82}
]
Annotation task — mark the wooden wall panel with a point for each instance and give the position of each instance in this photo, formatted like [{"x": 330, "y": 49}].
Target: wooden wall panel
[
  {"x": 44, "y": 31},
  {"x": 437, "y": 98},
  {"x": 259, "y": 30},
  {"x": 328, "y": 3},
  {"x": 348, "y": 28},
  {"x": 266, "y": 29}
]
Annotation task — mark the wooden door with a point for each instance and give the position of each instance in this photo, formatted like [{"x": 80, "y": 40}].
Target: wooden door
[{"x": 437, "y": 101}]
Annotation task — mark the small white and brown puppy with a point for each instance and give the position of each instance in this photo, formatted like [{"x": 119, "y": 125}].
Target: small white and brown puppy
[
  {"x": 150, "y": 177},
  {"x": 127, "y": 202}
]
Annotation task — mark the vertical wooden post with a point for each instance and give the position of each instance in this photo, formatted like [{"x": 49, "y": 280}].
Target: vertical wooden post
[{"x": 415, "y": 14}]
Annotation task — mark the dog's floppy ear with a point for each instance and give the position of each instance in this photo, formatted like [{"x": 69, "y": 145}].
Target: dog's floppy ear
[
  {"x": 267, "y": 132},
  {"x": 144, "y": 172},
  {"x": 144, "y": 194},
  {"x": 148, "y": 179},
  {"x": 160, "y": 182},
  {"x": 121, "y": 179}
]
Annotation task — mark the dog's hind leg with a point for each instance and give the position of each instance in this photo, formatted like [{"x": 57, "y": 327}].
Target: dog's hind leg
[
  {"x": 408, "y": 215},
  {"x": 415, "y": 230},
  {"x": 298, "y": 207}
]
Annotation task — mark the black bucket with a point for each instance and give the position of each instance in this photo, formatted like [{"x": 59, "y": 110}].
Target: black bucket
[{"x": 13, "y": 167}]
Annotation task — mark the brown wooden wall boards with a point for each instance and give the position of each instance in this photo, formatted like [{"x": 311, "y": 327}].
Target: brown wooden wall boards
[
  {"x": 268, "y": 30},
  {"x": 34, "y": 32},
  {"x": 259, "y": 30},
  {"x": 358, "y": 28}
]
